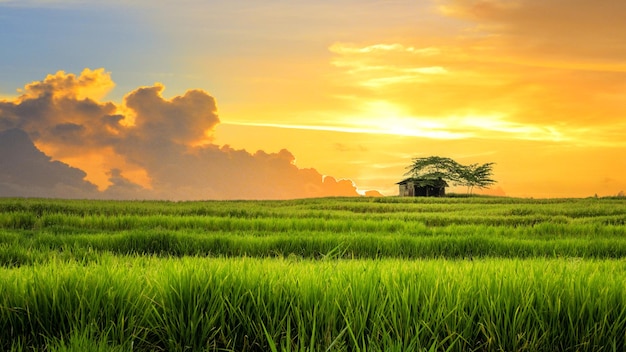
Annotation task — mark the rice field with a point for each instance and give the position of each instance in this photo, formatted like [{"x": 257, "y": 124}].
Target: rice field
[{"x": 332, "y": 274}]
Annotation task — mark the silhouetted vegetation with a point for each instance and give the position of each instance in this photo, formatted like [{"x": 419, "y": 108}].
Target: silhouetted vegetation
[{"x": 430, "y": 170}]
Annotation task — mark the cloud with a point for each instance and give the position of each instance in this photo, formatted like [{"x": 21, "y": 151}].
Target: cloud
[
  {"x": 373, "y": 193},
  {"x": 183, "y": 120},
  {"x": 532, "y": 70},
  {"x": 94, "y": 84},
  {"x": 380, "y": 65},
  {"x": 168, "y": 141},
  {"x": 26, "y": 171},
  {"x": 63, "y": 111}
]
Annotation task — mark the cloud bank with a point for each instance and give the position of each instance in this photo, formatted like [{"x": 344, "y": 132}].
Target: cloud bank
[
  {"x": 27, "y": 172},
  {"x": 148, "y": 147}
]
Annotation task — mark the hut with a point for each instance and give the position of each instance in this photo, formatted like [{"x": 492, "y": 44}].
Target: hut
[{"x": 422, "y": 187}]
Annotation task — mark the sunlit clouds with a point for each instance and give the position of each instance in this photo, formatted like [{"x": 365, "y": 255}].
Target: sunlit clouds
[
  {"x": 351, "y": 89},
  {"x": 164, "y": 151},
  {"x": 489, "y": 100},
  {"x": 513, "y": 72}
]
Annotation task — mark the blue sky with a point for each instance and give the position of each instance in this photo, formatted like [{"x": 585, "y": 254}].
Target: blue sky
[
  {"x": 186, "y": 44},
  {"x": 40, "y": 39}
]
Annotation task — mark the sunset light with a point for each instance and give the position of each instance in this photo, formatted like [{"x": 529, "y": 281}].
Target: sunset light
[
  {"x": 314, "y": 175},
  {"x": 327, "y": 175},
  {"x": 146, "y": 100}
]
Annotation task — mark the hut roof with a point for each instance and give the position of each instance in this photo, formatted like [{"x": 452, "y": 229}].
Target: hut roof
[{"x": 425, "y": 181}]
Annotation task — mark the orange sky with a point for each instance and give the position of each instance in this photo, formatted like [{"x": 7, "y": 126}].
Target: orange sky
[
  {"x": 356, "y": 89},
  {"x": 539, "y": 87}
]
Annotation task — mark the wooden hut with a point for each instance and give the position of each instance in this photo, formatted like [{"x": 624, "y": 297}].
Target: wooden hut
[{"x": 422, "y": 187}]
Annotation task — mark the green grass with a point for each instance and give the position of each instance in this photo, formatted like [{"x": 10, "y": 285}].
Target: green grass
[
  {"x": 334, "y": 274},
  {"x": 33, "y": 231},
  {"x": 341, "y": 305}
]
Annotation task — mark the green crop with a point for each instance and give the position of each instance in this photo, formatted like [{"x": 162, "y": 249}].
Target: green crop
[
  {"x": 33, "y": 231},
  {"x": 341, "y": 305},
  {"x": 333, "y": 274}
]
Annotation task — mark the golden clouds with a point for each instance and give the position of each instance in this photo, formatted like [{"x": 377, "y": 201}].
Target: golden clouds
[
  {"x": 90, "y": 84},
  {"x": 184, "y": 119},
  {"x": 535, "y": 85},
  {"x": 538, "y": 85},
  {"x": 63, "y": 110},
  {"x": 407, "y": 97},
  {"x": 472, "y": 90},
  {"x": 149, "y": 147},
  {"x": 371, "y": 68}
]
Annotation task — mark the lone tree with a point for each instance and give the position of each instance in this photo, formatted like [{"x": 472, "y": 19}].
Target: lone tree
[
  {"x": 432, "y": 169},
  {"x": 476, "y": 175}
]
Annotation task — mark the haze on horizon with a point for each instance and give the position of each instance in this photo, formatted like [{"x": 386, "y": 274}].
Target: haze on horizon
[{"x": 275, "y": 99}]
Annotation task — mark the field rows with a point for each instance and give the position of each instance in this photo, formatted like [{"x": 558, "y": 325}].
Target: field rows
[
  {"x": 334, "y": 274},
  {"x": 329, "y": 208},
  {"x": 33, "y": 231}
]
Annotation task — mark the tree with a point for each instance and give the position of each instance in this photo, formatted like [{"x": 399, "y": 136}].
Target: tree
[
  {"x": 476, "y": 175},
  {"x": 433, "y": 168}
]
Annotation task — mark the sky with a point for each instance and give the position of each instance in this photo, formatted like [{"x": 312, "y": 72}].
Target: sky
[{"x": 279, "y": 99}]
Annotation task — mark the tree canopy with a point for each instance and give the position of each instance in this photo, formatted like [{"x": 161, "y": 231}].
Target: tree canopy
[{"x": 433, "y": 168}]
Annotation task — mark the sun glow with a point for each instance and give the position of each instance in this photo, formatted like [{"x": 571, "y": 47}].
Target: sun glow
[
  {"x": 389, "y": 118},
  {"x": 374, "y": 117},
  {"x": 386, "y": 118}
]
